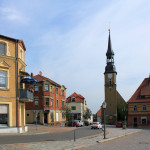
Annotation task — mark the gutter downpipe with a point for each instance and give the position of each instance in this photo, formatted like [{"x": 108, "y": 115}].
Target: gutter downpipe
[{"x": 17, "y": 91}]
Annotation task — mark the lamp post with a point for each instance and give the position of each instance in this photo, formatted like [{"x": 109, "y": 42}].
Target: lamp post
[{"x": 104, "y": 107}]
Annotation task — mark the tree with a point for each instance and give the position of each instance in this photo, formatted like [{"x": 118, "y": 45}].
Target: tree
[
  {"x": 66, "y": 111},
  {"x": 87, "y": 114},
  {"x": 122, "y": 111}
]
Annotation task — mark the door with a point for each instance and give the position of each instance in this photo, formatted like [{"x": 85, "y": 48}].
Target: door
[
  {"x": 45, "y": 117},
  {"x": 135, "y": 121}
]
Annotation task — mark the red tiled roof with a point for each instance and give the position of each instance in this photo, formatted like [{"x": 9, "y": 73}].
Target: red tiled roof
[
  {"x": 42, "y": 78},
  {"x": 79, "y": 98},
  {"x": 143, "y": 90},
  {"x": 99, "y": 112}
]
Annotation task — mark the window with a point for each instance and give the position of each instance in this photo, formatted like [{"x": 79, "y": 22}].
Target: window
[
  {"x": 56, "y": 90},
  {"x": 3, "y": 79},
  {"x": 47, "y": 101},
  {"x": 36, "y": 102},
  {"x": 3, "y": 114},
  {"x": 143, "y": 120},
  {"x": 51, "y": 89},
  {"x": 144, "y": 108},
  {"x": 51, "y": 102},
  {"x": 73, "y": 99},
  {"x": 63, "y": 115},
  {"x": 36, "y": 88},
  {"x": 62, "y": 92},
  {"x": 73, "y": 108},
  {"x": 135, "y": 108},
  {"x": 20, "y": 53},
  {"x": 62, "y": 103},
  {"x": 52, "y": 117},
  {"x": 2, "y": 49},
  {"x": 57, "y": 103},
  {"x": 46, "y": 87}
]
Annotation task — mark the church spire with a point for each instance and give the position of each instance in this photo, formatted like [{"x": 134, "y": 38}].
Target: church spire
[
  {"x": 109, "y": 50},
  {"x": 110, "y": 67}
]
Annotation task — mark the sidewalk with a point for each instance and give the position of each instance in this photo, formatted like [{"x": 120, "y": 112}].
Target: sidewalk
[{"x": 111, "y": 133}]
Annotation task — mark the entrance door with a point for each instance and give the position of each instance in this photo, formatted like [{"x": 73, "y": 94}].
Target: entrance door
[
  {"x": 45, "y": 117},
  {"x": 135, "y": 121}
]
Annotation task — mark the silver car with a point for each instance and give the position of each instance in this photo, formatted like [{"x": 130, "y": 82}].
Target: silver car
[{"x": 96, "y": 125}]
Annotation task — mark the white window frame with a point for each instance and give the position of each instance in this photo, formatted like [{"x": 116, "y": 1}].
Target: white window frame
[
  {"x": 36, "y": 88},
  {"x": 36, "y": 100}
]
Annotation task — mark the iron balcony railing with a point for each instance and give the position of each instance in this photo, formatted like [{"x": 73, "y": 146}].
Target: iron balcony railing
[{"x": 25, "y": 95}]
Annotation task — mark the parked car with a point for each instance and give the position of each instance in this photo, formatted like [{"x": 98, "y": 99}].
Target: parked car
[
  {"x": 119, "y": 124},
  {"x": 96, "y": 125},
  {"x": 86, "y": 123},
  {"x": 80, "y": 122},
  {"x": 72, "y": 124}
]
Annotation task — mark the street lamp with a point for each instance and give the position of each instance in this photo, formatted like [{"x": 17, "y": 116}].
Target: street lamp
[{"x": 104, "y": 107}]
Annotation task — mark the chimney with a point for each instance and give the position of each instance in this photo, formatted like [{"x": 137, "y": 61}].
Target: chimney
[
  {"x": 32, "y": 75},
  {"x": 40, "y": 73}
]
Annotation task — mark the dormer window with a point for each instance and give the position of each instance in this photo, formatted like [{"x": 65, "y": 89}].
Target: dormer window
[
  {"x": 2, "y": 49},
  {"x": 73, "y": 99}
]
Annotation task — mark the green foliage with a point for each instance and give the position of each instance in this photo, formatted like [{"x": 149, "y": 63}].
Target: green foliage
[
  {"x": 66, "y": 111},
  {"x": 87, "y": 114},
  {"x": 122, "y": 111}
]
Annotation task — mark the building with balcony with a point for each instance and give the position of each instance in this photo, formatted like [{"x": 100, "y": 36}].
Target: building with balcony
[
  {"x": 139, "y": 106},
  {"x": 77, "y": 104},
  {"x": 12, "y": 93},
  {"x": 49, "y": 100}
]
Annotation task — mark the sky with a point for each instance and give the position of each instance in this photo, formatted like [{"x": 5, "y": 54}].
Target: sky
[{"x": 67, "y": 40}]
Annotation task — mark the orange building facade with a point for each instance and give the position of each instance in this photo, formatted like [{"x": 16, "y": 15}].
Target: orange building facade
[{"x": 139, "y": 106}]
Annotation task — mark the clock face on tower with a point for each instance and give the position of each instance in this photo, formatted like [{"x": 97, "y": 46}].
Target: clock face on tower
[{"x": 109, "y": 75}]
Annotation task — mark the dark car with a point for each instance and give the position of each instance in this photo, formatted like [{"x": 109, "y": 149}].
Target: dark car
[
  {"x": 86, "y": 123},
  {"x": 72, "y": 124},
  {"x": 119, "y": 124}
]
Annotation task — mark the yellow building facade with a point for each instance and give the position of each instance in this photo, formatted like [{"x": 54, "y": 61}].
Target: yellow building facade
[{"x": 12, "y": 98}]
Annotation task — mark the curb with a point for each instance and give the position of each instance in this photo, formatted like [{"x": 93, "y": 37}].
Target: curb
[{"x": 106, "y": 140}]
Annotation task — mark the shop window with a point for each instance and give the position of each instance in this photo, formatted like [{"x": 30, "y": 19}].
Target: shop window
[
  {"x": 143, "y": 120},
  {"x": 3, "y": 115},
  {"x": 52, "y": 117}
]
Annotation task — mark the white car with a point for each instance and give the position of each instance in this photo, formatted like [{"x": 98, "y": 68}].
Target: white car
[
  {"x": 80, "y": 122},
  {"x": 96, "y": 125}
]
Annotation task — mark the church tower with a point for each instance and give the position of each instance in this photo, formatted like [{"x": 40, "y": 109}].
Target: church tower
[{"x": 110, "y": 86}]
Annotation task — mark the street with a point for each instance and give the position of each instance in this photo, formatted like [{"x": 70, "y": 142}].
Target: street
[
  {"x": 79, "y": 133},
  {"x": 136, "y": 141}
]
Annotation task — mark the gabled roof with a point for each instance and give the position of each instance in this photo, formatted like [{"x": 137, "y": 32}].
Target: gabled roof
[
  {"x": 13, "y": 39},
  {"x": 42, "y": 78},
  {"x": 99, "y": 113},
  {"x": 141, "y": 93},
  {"x": 79, "y": 98}
]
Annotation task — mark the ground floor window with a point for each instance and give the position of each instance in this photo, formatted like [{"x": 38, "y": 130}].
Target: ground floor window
[
  {"x": 143, "y": 120},
  {"x": 3, "y": 115},
  {"x": 52, "y": 117}
]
